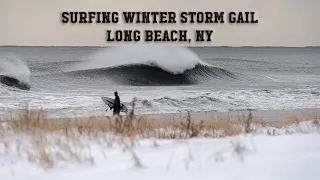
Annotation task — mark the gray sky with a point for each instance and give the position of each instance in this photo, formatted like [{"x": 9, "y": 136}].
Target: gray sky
[{"x": 281, "y": 23}]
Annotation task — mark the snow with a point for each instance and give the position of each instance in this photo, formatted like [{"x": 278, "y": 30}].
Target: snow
[{"x": 279, "y": 156}]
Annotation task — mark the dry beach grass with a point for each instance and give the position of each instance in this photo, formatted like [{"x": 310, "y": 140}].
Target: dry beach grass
[{"x": 46, "y": 141}]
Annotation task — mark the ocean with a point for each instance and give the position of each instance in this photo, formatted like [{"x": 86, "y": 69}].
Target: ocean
[{"x": 69, "y": 81}]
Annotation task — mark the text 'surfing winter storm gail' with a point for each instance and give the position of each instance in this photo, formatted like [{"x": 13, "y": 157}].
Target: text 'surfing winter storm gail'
[{"x": 158, "y": 35}]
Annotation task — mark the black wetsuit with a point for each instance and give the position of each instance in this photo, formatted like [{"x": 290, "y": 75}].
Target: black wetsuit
[{"x": 116, "y": 107}]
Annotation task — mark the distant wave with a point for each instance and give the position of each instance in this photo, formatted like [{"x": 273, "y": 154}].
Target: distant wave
[
  {"x": 152, "y": 75},
  {"x": 13, "y": 82},
  {"x": 14, "y": 72}
]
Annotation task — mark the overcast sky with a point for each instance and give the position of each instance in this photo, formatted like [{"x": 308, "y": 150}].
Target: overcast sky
[{"x": 281, "y": 22}]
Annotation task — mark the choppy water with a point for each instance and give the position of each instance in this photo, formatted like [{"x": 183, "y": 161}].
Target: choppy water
[{"x": 70, "y": 80}]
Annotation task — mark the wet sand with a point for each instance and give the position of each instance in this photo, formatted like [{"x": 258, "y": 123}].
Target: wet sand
[{"x": 266, "y": 115}]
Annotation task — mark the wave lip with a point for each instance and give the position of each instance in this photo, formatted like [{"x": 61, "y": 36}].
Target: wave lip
[{"x": 152, "y": 75}]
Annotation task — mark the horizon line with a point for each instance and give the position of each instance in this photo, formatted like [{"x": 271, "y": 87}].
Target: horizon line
[{"x": 177, "y": 45}]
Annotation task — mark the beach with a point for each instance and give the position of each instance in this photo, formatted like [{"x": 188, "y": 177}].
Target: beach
[
  {"x": 222, "y": 146},
  {"x": 266, "y": 115},
  {"x": 194, "y": 113},
  {"x": 206, "y": 90}
]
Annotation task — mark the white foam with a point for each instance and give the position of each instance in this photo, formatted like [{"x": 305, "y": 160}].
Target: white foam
[
  {"x": 11, "y": 65},
  {"x": 173, "y": 59},
  {"x": 88, "y": 103}
]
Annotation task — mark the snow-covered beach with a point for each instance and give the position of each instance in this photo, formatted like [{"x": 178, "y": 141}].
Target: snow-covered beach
[
  {"x": 286, "y": 153},
  {"x": 280, "y": 86},
  {"x": 34, "y": 147}
]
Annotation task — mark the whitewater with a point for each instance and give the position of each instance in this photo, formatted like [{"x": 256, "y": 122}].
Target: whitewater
[{"x": 69, "y": 81}]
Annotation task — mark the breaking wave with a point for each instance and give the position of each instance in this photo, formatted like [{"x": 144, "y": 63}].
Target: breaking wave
[
  {"x": 173, "y": 59},
  {"x": 152, "y": 75},
  {"x": 148, "y": 65},
  {"x": 14, "y": 72}
]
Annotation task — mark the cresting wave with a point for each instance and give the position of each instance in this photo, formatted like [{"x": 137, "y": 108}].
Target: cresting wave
[
  {"x": 173, "y": 59},
  {"x": 14, "y": 72},
  {"x": 152, "y": 75},
  {"x": 148, "y": 65}
]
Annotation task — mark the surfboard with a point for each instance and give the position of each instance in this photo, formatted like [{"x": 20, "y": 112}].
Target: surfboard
[{"x": 110, "y": 102}]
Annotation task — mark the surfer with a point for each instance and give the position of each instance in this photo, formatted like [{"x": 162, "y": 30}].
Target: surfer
[{"x": 117, "y": 105}]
